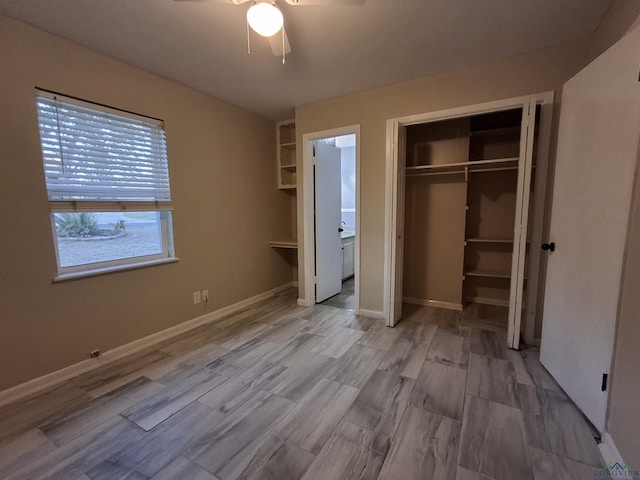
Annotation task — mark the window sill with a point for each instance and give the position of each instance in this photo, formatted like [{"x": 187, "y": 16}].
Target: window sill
[{"x": 64, "y": 277}]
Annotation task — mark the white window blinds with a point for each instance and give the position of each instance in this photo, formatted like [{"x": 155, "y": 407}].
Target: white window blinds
[{"x": 95, "y": 155}]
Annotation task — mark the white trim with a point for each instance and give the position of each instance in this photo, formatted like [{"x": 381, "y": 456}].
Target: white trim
[
  {"x": 433, "y": 303},
  {"x": 390, "y": 228},
  {"x": 537, "y": 207},
  {"x": 307, "y": 258},
  {"x": 609, "y": 451},
  {"x": 37, "y": 384},
  {"x": 392, "y": 167},
  {"x": 64, "y": 277},
  {"x": 523, "y": 190},
  {"x": 356, "y": 257},
  {"x": 370, "y": 313},
  {"x": 477, "y": 109}
]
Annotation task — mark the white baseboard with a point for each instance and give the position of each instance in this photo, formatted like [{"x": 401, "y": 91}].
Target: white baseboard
[
  {"x": 433, "y": 303},
  {"x": 40, "y": 383},
  {"x": 305, "y": 303},
  {"x": 370, "y": 313},
  {"x": 609, "y": 451}
]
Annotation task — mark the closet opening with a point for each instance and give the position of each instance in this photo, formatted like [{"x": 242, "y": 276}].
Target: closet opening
[{"x": 467, "y": 210}]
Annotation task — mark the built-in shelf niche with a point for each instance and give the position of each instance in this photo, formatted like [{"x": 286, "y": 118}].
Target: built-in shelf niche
[{"x": 286, "y": 154}]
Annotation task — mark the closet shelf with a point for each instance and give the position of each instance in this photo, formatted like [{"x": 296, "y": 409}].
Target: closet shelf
[
  {"x": 488, "y": 273},
  {"x": 283, "y": 244},
  {"x": 288, "y": 167},
  {"x": 497, "y": 131},
  {"x": 460, "y": 167},
  {"x": 489, "y": 240},
  {"x": 289, "y": 145}
]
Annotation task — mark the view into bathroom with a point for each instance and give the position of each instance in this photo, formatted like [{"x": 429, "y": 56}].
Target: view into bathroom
[{"x": 346, "y": 145}]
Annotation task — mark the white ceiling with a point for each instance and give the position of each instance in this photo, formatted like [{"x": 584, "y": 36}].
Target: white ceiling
[{"x": 336, "y": 50}]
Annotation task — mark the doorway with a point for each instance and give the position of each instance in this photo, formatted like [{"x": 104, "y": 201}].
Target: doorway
[
  {"x": 490, "y": 144},
  {"x": 331, "y": 218}
]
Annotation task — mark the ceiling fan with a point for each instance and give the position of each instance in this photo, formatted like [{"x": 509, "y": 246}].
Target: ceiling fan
[{"x": 266, "y": 19}]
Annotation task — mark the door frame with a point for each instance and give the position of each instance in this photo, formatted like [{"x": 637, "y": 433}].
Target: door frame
[
  {"x": 308, "y": 221},
  {"x": 537, "y": 203}
]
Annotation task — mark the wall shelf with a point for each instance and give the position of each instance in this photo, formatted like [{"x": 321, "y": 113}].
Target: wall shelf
[
  {"x": 488, "y": 274},
  {"x": 286, "y": 154},
  {"x": 515, "y": 130},
  {"x": 292, "y": 244},
  {"x": 489, "y": 240},
  {"x": 487, "y": 301}
]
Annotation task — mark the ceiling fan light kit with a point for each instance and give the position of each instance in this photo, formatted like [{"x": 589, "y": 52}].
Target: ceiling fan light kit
[{"x": 265, "y": 18}]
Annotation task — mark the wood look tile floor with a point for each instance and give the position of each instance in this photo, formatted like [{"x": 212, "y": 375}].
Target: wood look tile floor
[
  {"x": 346, "y": 298},
  {"x": 279, "y": 391}
]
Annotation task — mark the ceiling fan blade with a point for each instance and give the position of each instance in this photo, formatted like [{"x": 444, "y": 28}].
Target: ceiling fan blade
[
  {"x": 325, "y": 2},
  {"x": 276, "y": 43}
]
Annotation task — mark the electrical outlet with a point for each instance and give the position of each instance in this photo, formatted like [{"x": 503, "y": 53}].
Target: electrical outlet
[
  {"x": 205, "y": 296},
  {"x": 94, "y": 354},
  {"x": 196, "y": 298}
]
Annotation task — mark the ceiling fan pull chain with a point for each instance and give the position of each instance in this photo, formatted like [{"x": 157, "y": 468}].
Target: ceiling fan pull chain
[
  {"x": 284, "y": 53},
  {"x": 248, "y": 40}
]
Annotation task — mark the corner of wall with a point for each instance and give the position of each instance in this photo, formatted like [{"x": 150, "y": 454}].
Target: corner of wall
[{"x": 622, "y": 16}]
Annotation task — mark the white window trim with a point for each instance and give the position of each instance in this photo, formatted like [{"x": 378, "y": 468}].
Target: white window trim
[
  {"x": 165, "y": 227},
  {"x": 167, "y": 254},
  {"x": 64, "y": 277}
]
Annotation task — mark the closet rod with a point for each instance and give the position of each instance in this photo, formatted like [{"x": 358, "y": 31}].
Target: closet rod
[
  {"x": 457, "y": 172},
  {"x": 492, "y": 169},
  {"x": 427, "y": 174},
  {"x": 470, "y": 164}
]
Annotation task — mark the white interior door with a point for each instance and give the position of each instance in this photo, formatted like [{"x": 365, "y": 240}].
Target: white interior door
[
  {"x": 328, "y": 185},
  {"x": 597, "y": 151},
  {"x": 395, "y": 302}
]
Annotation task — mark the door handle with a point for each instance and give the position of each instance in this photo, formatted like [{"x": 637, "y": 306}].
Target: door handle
[
  {"x": 340, "y": 229},
  {"x": 549, "y": 246}
]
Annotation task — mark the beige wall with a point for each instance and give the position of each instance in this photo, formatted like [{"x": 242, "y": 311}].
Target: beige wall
[
  {"x": 227, "y": 207},
  {"x": 623, "y": 422},
  {"x": 434, "y": 220},
  {"x": 534, "y": 72},
  {"x": 618, "y": 19}
]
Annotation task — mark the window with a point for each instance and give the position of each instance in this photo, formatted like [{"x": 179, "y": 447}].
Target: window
[{"x": 107, "y": 180}]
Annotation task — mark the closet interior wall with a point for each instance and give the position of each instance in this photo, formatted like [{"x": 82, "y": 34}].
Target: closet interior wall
[{"x": 435, "y": 215}]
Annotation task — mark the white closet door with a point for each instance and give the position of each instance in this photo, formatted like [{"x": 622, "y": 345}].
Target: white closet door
[
  {"x": 395, "y": 302},
  {"x": 516, "y": 291},
  {"x": 328, "y": 188},
  {"x": 596, "y": 158}
]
